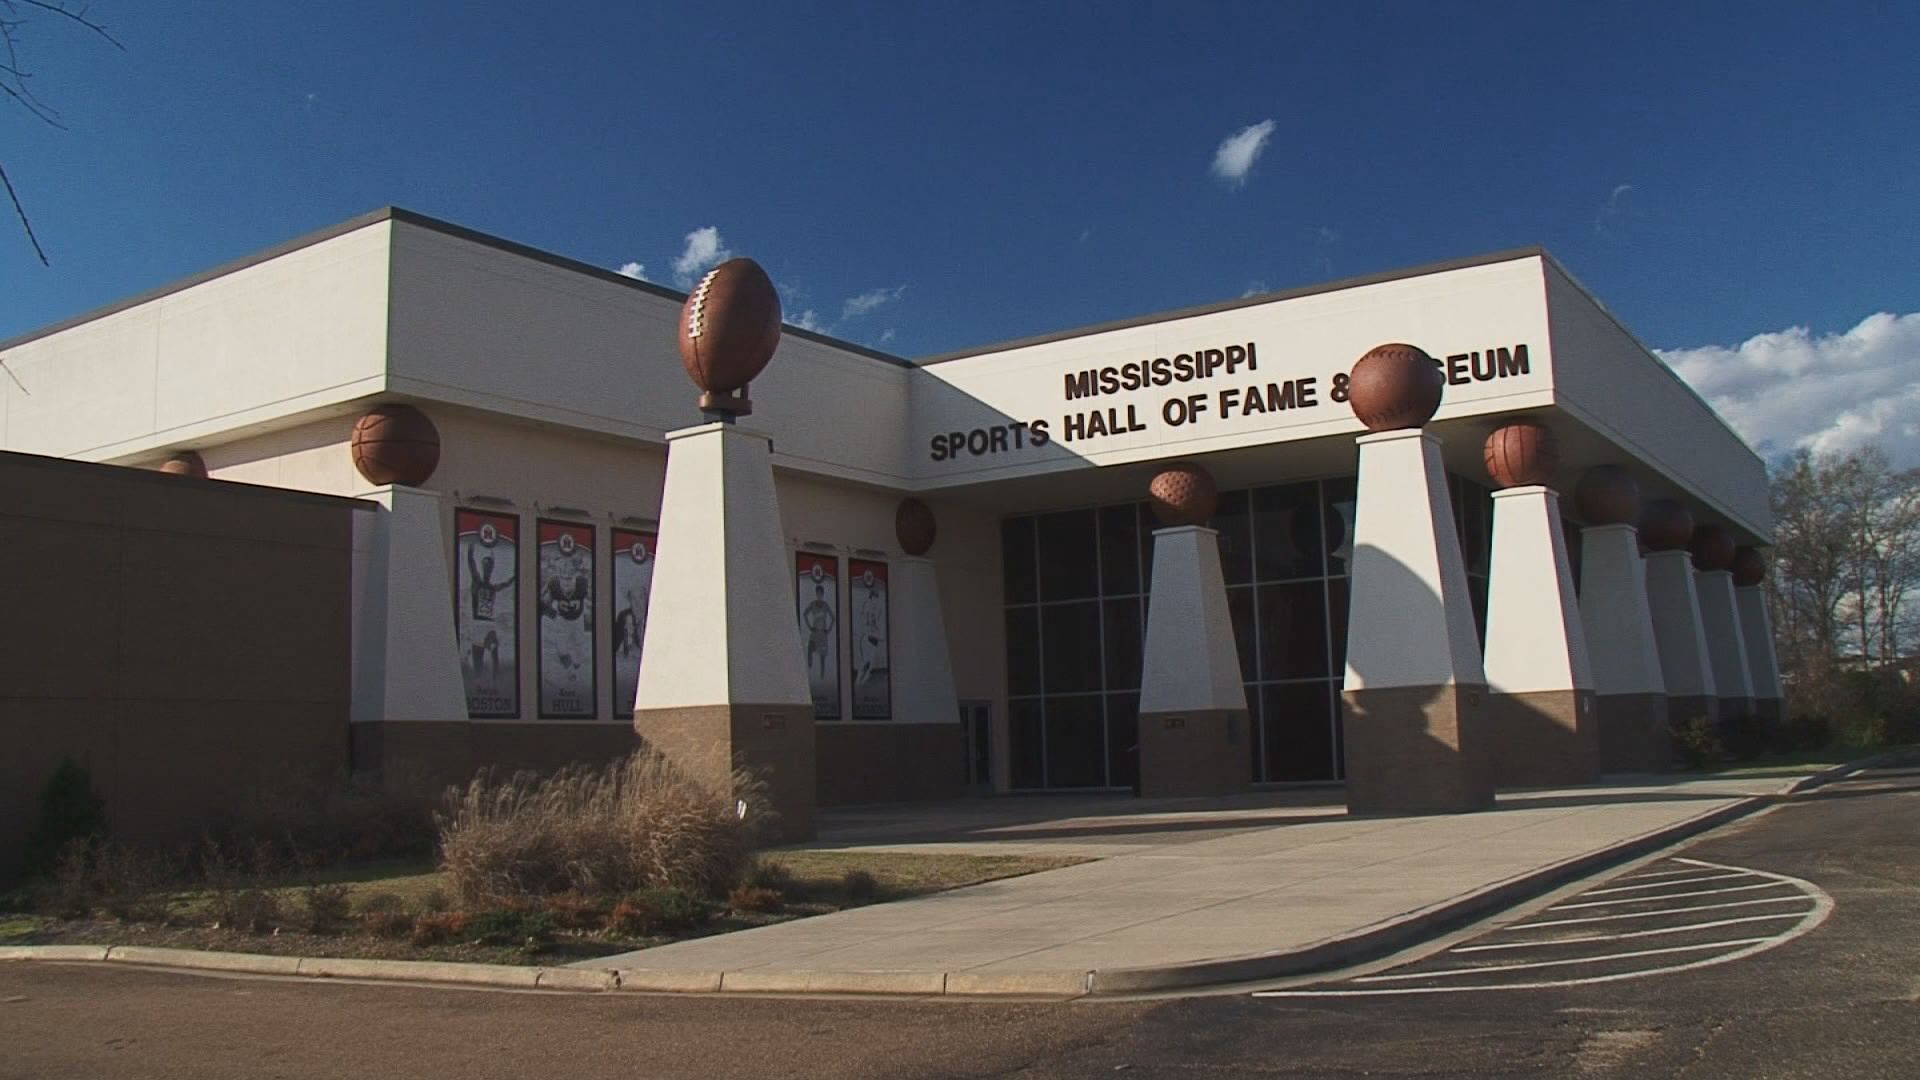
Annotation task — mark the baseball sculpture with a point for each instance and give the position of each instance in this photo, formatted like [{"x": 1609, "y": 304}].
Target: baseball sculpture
[
  {"x": 729, "y": 328},
  {"x": 1608, "y": 495},
  {"x": 1712, "y": 547},
  {"x": 1182, "y": 494},
  {"x": 1749, "y": 567},
  {"x": 1665, "y": 525},
  {"x": 396, "y": 444},
  {"x": 185, "y": 463},
  {"x": 1521, "y": 453},
  {"x": 914, "y": 527},
  {"x": 1394, "y": 387}
]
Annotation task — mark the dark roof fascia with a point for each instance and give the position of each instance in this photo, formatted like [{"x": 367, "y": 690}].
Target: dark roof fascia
[
  {"x": 446, "y": 228},
  {"x": 1510, "y": 255}
]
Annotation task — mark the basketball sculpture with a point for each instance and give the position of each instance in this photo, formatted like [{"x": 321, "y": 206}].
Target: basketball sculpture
[
  {"x": 1521, "y": 453},
  {"x": 729, "y": 328},
  {"x": 396, "y": 444},
  {"x": 914, "y": 527},
  {"x": 1607, "y": 495},
  {"x": 1749, "y": 567},
  {"x": 1394, "y": 387},
  {"x": 185, "y": 463},
  {"x": 1712, "y": 548},
  {"x": 1182, "y": 494},
  {"x": 1665, "y": 525}
]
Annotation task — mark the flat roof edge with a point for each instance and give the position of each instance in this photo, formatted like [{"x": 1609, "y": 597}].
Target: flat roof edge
[{"x": 1382, "y": 277}]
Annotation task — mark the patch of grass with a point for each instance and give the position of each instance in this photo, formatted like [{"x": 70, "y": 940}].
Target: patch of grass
[
  {"x": 18, "y": 929},
  {"x": 900, "y": 874},
  {"x": 1805, "y": 761}
]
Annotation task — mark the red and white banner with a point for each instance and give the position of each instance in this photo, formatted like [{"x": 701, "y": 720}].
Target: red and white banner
[
  {"x": 632, "y": 557},
  {"x": 568, "y": 677},
  {"x": 486, "y": 561}
]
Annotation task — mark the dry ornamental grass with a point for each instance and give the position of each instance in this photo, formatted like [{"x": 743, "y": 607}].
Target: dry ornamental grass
[{"x": 638, "y": 823}]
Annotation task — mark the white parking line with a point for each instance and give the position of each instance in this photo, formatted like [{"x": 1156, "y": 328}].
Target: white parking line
[
  {"x": 1667, "y": 884},
  {"x": 1821, "y": 907},
  {"x": 1671, "y": 896},
  {"x": 1630, "y": 934},
  {"x": 1661, "y": 911},
  {"x": 1659, "y": 873}
]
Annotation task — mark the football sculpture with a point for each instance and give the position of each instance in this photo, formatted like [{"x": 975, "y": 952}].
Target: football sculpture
[
  {"x": 1182, "y": 494},
  {"x": 1521, "y": 453},
  {"x": 1712, "y": 548},
  {"x": 1394, "y": 387},
  {"x": 396, "y": 444},
  {"x": 729, "y": 328},
  {"x": 185, "y": 463},
  {"x": 1608, "y": 495},
  {"x": 1665, "y": 525},
  {"x": 1749, "y": 567},
  {"x": 913, "y": 526}
]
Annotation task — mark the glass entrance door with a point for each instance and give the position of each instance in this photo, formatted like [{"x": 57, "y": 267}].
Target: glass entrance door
[{"x": 976, "y": 726}]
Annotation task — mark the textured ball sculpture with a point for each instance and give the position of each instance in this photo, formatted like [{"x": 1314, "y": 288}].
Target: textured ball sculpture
[
  {"x": 185, "y": 463},
  {"x": 396, "y": 444},
  {"x": 1608, "y": 495},
  {"x": 729, "y": 328},
  {"x": 1665, "y": 525},
  {"x": 1749, "y": 567},
  {"x": 1712, "y": 547},
  {"x": 1394, "y": 387},
  {"x": 913, "y": 526},
  {"x": 1182, "y": 494},
  {"x": 1521, "y": 453}
]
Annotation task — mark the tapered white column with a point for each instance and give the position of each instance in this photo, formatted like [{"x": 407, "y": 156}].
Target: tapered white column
[
  {"x": 1415, "y": 692},
  {"x": 406, "y": 661},
  {"x": 1194, "y": 736},
  {"x": 1763, "y": 663},
  {"x": 1630, "y": 694},
  {"x": 1538, "y": 677},
  {"x": 722, "y": 673},
  {"x": 921, "y": 666},
  {"x": 1685, "y": 665},
  {"x": 1726, "y": 647}
]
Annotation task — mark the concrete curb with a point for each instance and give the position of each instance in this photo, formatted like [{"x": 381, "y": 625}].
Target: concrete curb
[{"x": 1366, "y": 943}]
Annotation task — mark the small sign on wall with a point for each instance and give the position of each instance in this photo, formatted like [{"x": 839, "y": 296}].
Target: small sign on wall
[
  {"x": 872, "y": 667},
  {"x": 568, "y": 677},
  {"x": 816, "y": 597},
  {"x": 486, "y": 560}
]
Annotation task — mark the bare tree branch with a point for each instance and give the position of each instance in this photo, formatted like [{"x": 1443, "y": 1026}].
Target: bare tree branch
[
  {"x": 78, "y": 15},
  {"x": 21, "y": 212},
  {"x": 15, "y": 81}
]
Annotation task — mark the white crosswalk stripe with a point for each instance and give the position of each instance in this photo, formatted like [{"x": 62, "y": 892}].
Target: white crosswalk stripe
[{"x": 1730, "y": 930}]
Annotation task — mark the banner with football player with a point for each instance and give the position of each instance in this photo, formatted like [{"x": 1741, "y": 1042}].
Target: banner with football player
[
  {"x": 486, "y": 616},
  {"x": 567, "y": 674},
  {"x": 817, "y": 597},
  {"x": 872, "y": 682},
  {"x": 632, "y": 588}
]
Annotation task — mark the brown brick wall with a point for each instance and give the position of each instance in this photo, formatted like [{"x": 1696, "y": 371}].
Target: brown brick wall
[
  {"x": 186, "y": 640},
  {"x": 889, "y": 762}
]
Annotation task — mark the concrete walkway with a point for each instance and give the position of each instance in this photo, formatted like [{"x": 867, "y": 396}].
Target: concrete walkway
[{"x": 1186, "y": 892}]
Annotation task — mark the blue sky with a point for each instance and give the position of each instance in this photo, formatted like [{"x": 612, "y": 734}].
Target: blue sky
[{"x": 922, "y": 178}]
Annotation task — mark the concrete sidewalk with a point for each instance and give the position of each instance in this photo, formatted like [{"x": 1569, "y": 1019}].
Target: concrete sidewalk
[{"x": 1187, "y": 893}]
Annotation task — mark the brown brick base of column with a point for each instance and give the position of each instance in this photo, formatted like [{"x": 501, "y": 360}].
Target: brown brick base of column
[
  {"x": 1194, "y": 753},
  {"x": 1634, "y": 736},
  {"x": 774, "y": 742},
  {"x": 1417, "y": 749},
  {"x": 1682, "y": 711},
  {"x": 1771, "y": 711},
  {"x": 1547, "y": 738}
]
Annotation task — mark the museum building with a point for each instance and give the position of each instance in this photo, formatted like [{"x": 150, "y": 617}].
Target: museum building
[{"x": 968, "y": 544}]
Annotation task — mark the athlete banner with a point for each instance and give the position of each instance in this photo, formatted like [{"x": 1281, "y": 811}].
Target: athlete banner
[
  {"x": 872, "y": 682},
  {"x": 817, "y": 597},
  {"x": 632, "y": 557},
  {"x": 486, "y": 561},
  {"x": 568, "y": 676}
]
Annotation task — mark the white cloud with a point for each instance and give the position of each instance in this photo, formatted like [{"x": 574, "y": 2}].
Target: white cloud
[
  {"x": 1254, "y": 288},
  {"x": 634, "y": 270},
  {"x": 1238, "y": 151},
  {"x": 869, "y": 300},
  {"x": 1612, "y": 210},
  {"x": 886, "y": 335},
  {"x": 807, "y": 320},
  {"x": 704, "y": 251},
  {"x": 1830, "y": 394}
]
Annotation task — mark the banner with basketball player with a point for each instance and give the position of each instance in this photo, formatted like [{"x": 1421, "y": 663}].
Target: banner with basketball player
[
  {"x": 486, "y": 615},
  {"x": 817, "y": 597},
  {"x": 632, "y": 587},
  {"x": 567, "y": 675},
  {"x": 867, "y": 598}
]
